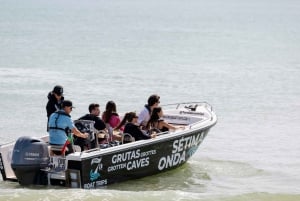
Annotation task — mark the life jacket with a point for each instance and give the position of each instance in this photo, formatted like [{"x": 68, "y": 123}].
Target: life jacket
[{"x": 67, "y": 130}]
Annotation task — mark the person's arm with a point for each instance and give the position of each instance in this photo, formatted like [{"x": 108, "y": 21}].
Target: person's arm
[
  {"x": 143, "y": 134},
  {"x": 165, "y": 124},
  {"x": 50, "y": 108},
  {"x": 76, "y": 132},
  {"x": 169, "y": 126}
]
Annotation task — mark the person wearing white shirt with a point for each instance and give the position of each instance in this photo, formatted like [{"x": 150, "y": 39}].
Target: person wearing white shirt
[{"x": 144, "y": 115}]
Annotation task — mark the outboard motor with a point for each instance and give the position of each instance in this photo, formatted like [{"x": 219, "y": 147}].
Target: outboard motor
[{"x": 30, "y": 155}]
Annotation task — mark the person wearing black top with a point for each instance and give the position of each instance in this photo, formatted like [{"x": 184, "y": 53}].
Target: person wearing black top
[
  {"x": 55, "y": 99},
  {"x": 157, "y": 122},
  {"x": 131, "y": 126},
  {"x": 94, "y": 109}
]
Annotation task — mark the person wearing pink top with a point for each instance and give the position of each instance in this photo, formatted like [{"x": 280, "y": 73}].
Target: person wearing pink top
[{"x": 110, "y": 115}]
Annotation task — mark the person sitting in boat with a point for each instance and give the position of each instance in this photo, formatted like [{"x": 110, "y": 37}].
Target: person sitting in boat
[
  {"x": 132, "y": 127},
  {"x": 110, "y": 115},
  {"x": 156, "y": 122},
  {"x": 55, "y": 99},
  {"x": 144, "y": 116},
  {"x": 60, "y": 128},
  {"x": 93, "y": 115},
  {"x": 112, "y": 120}
]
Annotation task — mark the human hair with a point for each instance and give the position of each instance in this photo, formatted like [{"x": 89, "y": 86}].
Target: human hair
[
  {"x": 92, "y": 106},
  {"x": 109, "y": 110},
  {"x": 153, "y": 99},
  {"x": 154, "y": 116},
  {"x": 127, "y": 118}
]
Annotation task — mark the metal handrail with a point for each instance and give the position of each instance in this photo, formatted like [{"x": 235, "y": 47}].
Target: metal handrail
[
  {"x": 197, "y": 102},
  {"x": 206, "y": 105}
]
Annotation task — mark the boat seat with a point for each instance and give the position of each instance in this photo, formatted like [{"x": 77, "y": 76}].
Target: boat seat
[
  {"x": 56, "y": 149},
  {"x": 101, "y": 137},
  {"x": 102, "y": 134},
  {"x": 126, "y": 138}
]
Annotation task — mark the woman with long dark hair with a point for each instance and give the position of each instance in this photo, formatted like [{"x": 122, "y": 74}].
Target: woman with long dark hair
[
  {"x": 110, "y": 115},
  {"x": 156, "y": 121},
  {"x": 130, "y": 121}
]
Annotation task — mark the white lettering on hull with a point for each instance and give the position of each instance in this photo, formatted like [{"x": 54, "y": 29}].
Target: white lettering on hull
[
  {"x": 131, "y": 160},
  {"x": 178, "y": 155}
]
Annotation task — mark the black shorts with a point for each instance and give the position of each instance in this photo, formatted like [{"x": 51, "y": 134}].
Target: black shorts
[{"x": 68, "y": 150}]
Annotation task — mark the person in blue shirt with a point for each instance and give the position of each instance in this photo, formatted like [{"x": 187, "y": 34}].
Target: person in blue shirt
[{"x": 61, "y": 125}]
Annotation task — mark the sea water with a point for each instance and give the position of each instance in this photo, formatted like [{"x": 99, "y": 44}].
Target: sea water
[{"x": 240, "y": 56}]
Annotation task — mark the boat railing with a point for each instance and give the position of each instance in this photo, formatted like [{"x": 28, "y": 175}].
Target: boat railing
[
  {"x": 126, "y": 138},
  {"x": 162, "y": 133},
  {"x": 192, "y": 107},
  {"x": 189, "y": 105}
]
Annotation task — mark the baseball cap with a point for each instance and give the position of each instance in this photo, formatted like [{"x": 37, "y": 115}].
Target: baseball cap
[
  {"x": 67, "y": 103},
  {"x": 58, "y": 90}
]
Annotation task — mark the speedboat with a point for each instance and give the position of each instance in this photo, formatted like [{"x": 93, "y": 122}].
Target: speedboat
[{"x": 29, "y": 161}]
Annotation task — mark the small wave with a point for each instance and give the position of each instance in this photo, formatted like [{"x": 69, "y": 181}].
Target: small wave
[
  {"x": 226, "y": 168},
  {"x": 261, "y": 197}
]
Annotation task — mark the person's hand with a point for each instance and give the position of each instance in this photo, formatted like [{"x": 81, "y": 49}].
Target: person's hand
[
  {"x": 180, "y": 127},
  {"x": 85, "y": 135},
  {"x": 153, "y": 135}
]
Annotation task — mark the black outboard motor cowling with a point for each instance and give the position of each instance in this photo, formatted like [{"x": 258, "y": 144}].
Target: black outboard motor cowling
[{"x": 30, "y": 155}]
